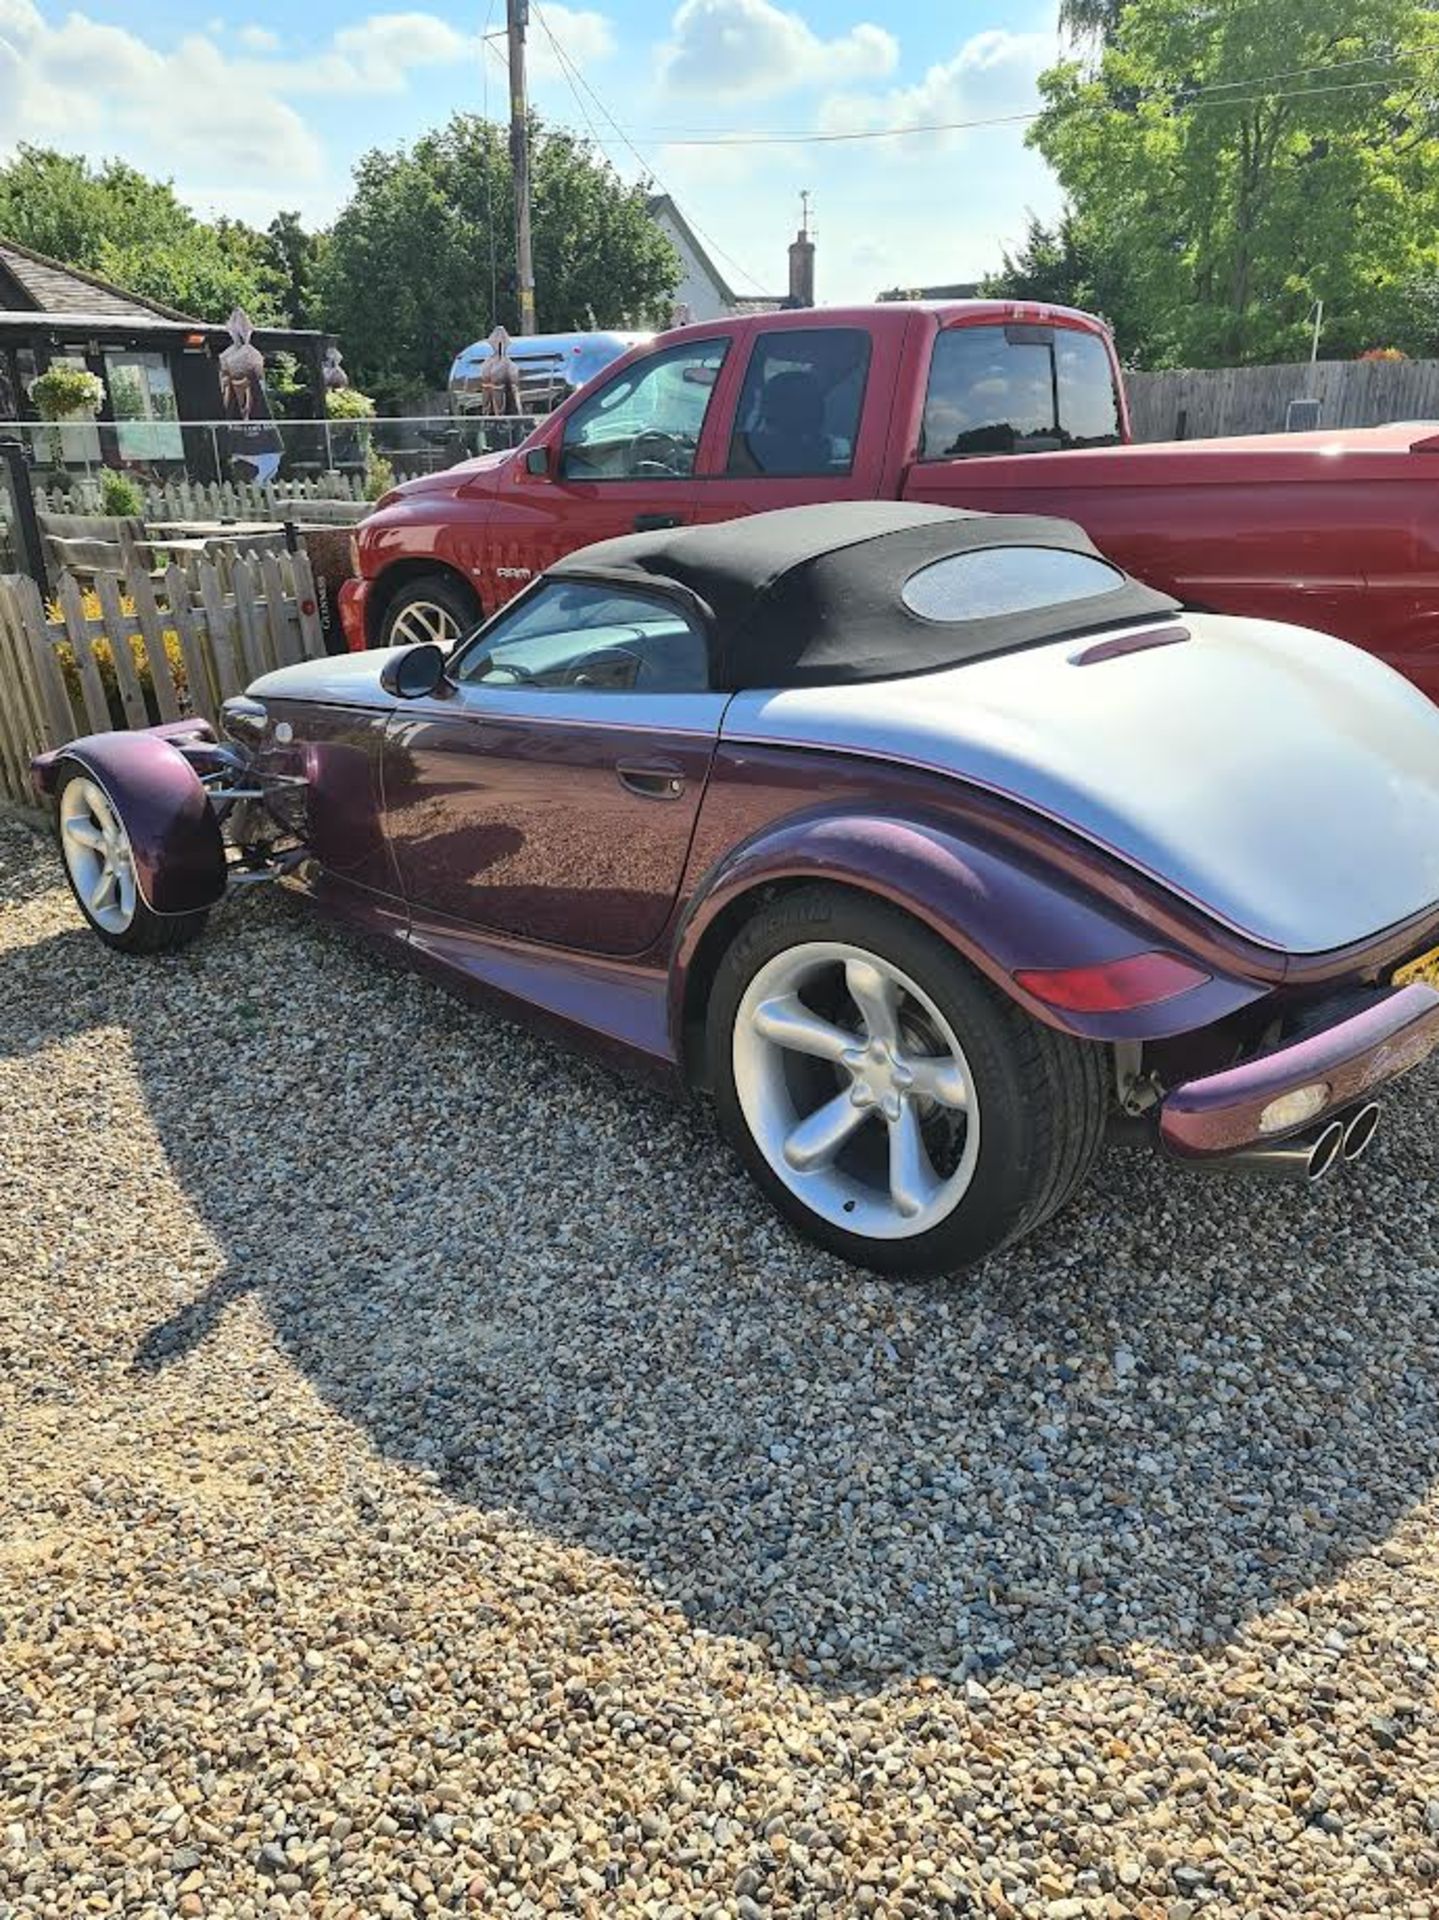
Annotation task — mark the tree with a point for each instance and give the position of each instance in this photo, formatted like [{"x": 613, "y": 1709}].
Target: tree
[
  {"x": 1244, "y": 161},
  {"x": 293, "y": 256},
  {"x": 1068, "y": 265},
  {"x": 421, "y": 260},
  {"x": 116, "y": 222}
]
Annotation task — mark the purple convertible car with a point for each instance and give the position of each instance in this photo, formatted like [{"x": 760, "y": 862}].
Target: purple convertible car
[{"x": 929, "y": 844}]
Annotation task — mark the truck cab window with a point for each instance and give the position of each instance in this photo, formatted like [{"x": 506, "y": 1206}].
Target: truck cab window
[
  {"x": 1018, "y": 389},
  {"x": 646, "y": 422},
  {"x": 800, "y": 408}
]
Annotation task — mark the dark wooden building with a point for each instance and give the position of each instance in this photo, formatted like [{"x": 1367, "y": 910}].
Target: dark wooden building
[{"x": 160, "y": 368}]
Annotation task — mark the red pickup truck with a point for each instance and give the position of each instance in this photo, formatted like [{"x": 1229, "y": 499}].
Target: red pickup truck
[{"x": 991, "y": 404}]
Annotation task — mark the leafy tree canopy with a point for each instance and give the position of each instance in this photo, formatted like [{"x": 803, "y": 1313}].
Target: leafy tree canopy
[
  {"x": 1236, "y": 162},
  {"x": 116, "y": 222},
  {"x": 421, "y": 260}
]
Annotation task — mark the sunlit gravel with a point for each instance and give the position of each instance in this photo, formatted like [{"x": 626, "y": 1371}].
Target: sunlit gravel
[{"x": 433, "y": 1483}]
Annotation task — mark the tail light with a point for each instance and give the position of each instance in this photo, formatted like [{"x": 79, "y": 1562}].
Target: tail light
[{"x": 1114, "y": 986}]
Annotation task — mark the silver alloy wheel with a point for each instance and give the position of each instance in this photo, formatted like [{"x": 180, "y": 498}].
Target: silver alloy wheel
[
  {"x": 421, "y": 621},
  {"x": 98, "y": 854},
  {"x": 820, "y": 1095}
]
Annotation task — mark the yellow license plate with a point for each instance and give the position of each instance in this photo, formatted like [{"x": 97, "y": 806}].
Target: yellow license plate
[{"x": 1425, "y": 968}]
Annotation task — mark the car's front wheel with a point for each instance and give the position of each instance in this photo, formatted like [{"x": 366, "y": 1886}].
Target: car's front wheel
[
  {"x": 895, "y": 1106},
  {"x": 435, "y": 607},
  {"x": 100, "y": 866}
]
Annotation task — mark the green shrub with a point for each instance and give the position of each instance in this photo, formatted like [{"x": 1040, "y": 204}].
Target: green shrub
[
  {"x": 348, "y": 403},
  {"x": 379, "y": 474},
  {"x": 120, "y": 496}
]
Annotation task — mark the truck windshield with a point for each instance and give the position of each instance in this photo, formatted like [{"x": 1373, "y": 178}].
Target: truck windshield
[{"x": 1018, "y": 389}]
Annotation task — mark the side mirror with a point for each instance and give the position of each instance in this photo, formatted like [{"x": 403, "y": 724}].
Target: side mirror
[
  {"x": 415, "y": 672},
  {"x": 537, "y": 461}
]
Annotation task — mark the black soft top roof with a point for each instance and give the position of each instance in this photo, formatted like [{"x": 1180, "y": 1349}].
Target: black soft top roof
[{"x": 814, "y": 596}]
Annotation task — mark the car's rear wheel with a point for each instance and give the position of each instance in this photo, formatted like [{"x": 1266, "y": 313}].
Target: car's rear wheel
[
  {"x": 434, "y": 607},
  {"x": 902, "y": 1112},
  {"x": 100, "y": 866}
]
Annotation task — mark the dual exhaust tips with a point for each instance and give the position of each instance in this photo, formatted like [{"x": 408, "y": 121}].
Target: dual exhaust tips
[{"x": 1309, "y": 1156}]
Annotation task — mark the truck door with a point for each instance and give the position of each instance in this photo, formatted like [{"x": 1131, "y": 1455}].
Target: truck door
[
  {"x": 811, "y": 422},
  {"x": 619, "y": 462}
]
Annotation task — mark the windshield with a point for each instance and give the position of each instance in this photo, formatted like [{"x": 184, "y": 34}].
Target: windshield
[{"x": 1018, "y": 389}]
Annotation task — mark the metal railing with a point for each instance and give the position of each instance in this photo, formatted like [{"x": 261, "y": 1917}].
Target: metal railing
[{"x": 266, "y": 450}]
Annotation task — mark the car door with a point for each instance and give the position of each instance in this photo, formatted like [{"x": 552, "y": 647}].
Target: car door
[
  {"x": 621, "y": 461},
  {"x": 549, "y": 791}
]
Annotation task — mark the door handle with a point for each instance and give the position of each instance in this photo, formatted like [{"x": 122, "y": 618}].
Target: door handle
[
  {"x": 655, "y": 522},
  {"x": 651, "y": 779}
]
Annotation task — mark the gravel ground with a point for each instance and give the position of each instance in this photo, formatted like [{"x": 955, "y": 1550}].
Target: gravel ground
[{"x": 433, "y": 1483}]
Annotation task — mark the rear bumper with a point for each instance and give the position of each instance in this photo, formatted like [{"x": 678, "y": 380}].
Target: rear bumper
[
  {"x": 1355, "y": 1058},
  {"x": 354, "y": 593}
]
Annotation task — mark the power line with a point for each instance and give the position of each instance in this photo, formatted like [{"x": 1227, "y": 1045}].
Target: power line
[
  {"x": 1197, "y": 96},
  {"x": 574, "y": 76}
]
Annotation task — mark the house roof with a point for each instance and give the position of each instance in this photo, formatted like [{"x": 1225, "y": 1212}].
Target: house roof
[
  {"x": 662, "y": 205},
  {"x": 47, "y": 286}
]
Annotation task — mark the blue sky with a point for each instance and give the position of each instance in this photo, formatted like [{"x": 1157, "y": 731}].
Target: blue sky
[{"x": 268, "y": 104}]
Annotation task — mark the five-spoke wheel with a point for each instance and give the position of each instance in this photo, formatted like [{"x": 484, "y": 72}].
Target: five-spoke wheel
[
  {"x": 856, "y": 1090},
  {"x": 104, "y": 875},
  {"x": 897, "y": 1107},
  {"x": 98, "y": 855}
]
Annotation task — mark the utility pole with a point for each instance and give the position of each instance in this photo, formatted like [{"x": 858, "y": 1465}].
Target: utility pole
[{"x": 517, "y": 17}]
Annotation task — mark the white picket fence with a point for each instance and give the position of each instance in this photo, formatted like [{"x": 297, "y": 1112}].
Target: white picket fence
[
  {"x": 184, "y": 499},
  {"x": 226, "y": 628}
]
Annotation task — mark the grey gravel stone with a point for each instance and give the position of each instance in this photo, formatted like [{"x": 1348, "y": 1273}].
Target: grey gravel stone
[{"x": 434, "y": 1483}]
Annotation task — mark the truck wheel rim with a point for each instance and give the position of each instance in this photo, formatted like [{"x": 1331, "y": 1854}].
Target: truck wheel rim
[
  {"x": 421, "y": 622},
  {"x": 98, "y": 855},
  {"x": 856, "y": 1090}
]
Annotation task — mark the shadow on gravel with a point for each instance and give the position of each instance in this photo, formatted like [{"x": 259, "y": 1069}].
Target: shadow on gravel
[{"x": 1188, "y": 1402}]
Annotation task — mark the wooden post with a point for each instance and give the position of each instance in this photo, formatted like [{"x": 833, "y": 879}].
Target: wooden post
[{"x": 517, "y": 15}]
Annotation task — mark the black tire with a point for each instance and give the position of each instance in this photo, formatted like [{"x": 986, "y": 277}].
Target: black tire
[
  {"x": 446, "y": 593},
  {"x": 1042, "y": 1096},
  {"x": 147, "y": 931}
]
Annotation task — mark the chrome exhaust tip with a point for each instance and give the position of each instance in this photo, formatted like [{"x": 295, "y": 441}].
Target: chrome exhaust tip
[
  {"x": 1326, "y": 1152},
  {"x": 1307, "y": 1157},
  {"x": 1360, "y": 1128}
]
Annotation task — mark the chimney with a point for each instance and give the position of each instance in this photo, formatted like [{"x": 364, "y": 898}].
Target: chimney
[{"x": 801, "y": 261}]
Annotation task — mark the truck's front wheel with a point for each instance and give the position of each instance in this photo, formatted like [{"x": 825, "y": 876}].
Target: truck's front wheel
[{"x": 431, "y": 607}]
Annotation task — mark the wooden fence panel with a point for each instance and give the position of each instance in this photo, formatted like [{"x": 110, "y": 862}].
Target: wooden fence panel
[
  {"x": 152, "y": 631},
  {"x": 203, "y": 693},
  {"x": 16, "y": 737},
  {"x": 117, "y": 625},
  {"x": 245, "y": 587},
  {"x": 280, "y": 613},
  {"x": 77, "y": 627},
  {"x": 26, "y": 608},
  {"x": 1211, "y": 403},
  {"x": 225, "y": 640},
  {"x": 229, "y": 678}
]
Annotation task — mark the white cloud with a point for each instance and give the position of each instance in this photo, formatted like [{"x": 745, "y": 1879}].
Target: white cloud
[
  {"x": 107, "y": 88},
  {"x": 754, "y": 48},
  {"x": 993, "y": 75},
  {"x": 194, "y": 109}
]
